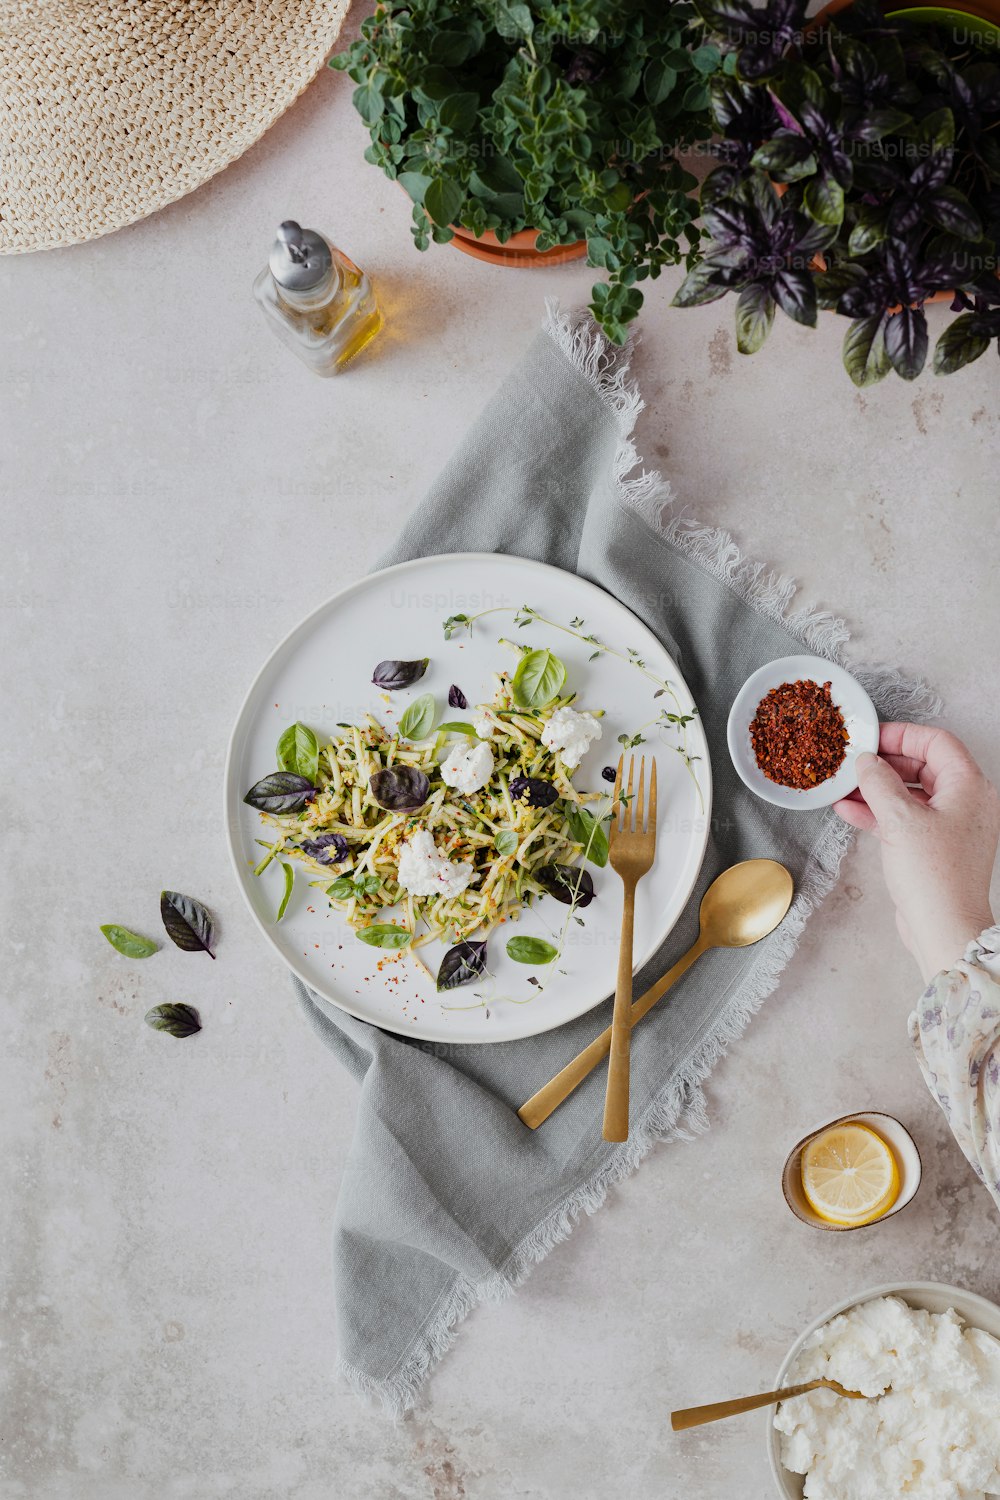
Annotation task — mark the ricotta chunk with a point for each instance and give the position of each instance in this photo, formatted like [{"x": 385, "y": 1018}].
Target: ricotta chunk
[
  {"x": 425, "y": 871},
  {"x": 569, "y": 734}
]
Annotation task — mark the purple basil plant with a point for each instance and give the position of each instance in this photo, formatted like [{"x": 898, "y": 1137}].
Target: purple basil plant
[{"x": 859, "y": 170}]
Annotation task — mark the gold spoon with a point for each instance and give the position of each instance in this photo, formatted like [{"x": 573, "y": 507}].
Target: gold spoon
[
  {"x": 696, "y": 1416},
  {"x": 741, "y": 906}
]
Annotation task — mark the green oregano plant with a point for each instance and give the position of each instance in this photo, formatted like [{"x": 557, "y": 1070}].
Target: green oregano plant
[
  {"x": 859, "y": 171},
  {"x": 561, "y": 116}
]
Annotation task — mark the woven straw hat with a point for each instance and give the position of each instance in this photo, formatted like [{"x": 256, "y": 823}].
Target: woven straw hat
[{"x": 113, "y": 108}]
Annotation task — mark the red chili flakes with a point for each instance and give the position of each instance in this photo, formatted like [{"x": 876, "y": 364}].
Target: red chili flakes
[{"x": 798, "y": 734}]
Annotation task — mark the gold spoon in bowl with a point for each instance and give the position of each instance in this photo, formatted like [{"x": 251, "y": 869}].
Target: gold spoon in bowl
[
  {"x": 742, "y": 905},
  {"x": 697, "y": 1416}
]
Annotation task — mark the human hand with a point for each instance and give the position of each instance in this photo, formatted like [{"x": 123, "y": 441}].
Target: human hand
[{"x": 938, "y": 838}]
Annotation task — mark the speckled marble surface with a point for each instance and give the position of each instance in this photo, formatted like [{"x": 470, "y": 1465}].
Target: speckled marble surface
[{"x": 180, "y": 491}]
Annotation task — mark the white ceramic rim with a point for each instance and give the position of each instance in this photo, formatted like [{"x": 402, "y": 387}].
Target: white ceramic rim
[
  {"x": 966, "y": 1304},
  {"x": 229, "y": 790},
  {"x": 843, "y": 684}
]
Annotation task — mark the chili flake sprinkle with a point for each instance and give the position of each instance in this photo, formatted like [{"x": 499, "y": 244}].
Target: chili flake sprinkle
[{"x": 798, "y": 734}]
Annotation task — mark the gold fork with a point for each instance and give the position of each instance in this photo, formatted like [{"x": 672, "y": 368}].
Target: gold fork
[{"x": 632, "y": 847}]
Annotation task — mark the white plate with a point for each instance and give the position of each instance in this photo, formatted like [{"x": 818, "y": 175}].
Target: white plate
[
  {"x": 932, "y": 1296},
  {"x": 321, "y": 674},
  {"x": 860, "y": 719}
]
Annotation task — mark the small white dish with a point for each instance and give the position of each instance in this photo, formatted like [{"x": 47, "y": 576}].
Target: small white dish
[
  {"x": 900, "y": 1143},
  {"x": 933, "y": 1296},
  {"x": 850, "y": 697}
]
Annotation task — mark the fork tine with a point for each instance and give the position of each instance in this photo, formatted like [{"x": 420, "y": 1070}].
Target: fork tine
[
  {"x": 629, "y": 808},
  {"x": 640, "y": 796},
  {"x": 616, "y": 811},
  {"x": 652, "y": 799}
]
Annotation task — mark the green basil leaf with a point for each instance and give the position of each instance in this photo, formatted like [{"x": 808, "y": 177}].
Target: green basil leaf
[
  {"x": 588, "y": 832},
  {"x": 298, "y": 752},
  {"x": 342, "y": 888},
  {"x": 538, "y": 679},
  {"x": 384, "y": 935},
  {"x": 754, "y": 317},
  {"x": 529, "y": 950},
  {"x": 456, "y": 726},
  {"x": 175, "y": 1020},
  {"x": 506, "y": 841},
  {"x": 188, "y": 923},
  {"x": 418, "y": 717},
  {"x": 129, "y": 943},
  {"x": 289, "y": 874}
]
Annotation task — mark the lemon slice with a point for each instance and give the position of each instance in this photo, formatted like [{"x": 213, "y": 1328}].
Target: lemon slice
[{"x": 849, "y": 1175}]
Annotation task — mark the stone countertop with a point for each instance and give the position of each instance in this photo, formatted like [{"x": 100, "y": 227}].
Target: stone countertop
[{"x": 181, "y": 491}]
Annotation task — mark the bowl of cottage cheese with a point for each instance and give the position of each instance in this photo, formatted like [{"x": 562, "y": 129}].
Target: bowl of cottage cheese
[{"x": 931, "y": 1353}]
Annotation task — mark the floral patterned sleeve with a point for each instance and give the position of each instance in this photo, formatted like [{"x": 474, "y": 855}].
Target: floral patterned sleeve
[{"x": 955, "y": 1031}]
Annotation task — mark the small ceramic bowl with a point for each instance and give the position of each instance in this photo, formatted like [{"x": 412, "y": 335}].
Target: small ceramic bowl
[
  {"x": 850, "y": 697},
  {"x": 934, "y": 1296},
  {"x": 900, "y": 1143}
]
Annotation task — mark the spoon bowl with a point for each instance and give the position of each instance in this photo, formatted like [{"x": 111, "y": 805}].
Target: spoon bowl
[{"x": 744, "y": 904}]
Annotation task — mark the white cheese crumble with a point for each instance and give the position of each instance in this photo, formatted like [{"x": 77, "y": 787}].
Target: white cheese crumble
[
  {"x": 467, "y": 768},
  {"x": 935, "y": 1435},
  {"x": 570, "y": 734},
  {"x": 484, "y": 724},
  {"x": 425, "y": 871}
]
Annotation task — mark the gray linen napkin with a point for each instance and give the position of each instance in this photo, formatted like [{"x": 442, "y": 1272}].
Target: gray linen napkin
[{"x": 447, "y": 1198}]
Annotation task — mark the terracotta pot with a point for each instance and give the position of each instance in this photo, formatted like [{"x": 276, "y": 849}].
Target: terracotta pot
[{"x": 519, "y": 250}]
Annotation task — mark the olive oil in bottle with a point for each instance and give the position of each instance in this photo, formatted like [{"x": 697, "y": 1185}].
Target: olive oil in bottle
[{"x": 316, "y": 299}]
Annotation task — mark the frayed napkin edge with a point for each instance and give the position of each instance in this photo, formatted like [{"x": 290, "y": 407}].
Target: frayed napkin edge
[{"x": 679, "y": 1112}]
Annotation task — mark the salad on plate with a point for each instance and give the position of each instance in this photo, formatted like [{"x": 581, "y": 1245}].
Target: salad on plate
[{"x": 454, "y": 823}]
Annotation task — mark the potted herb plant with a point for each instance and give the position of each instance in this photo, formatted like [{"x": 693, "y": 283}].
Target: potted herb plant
[
  {"x": 527, "y": 133},
  {"x": 859, "y": 171}
]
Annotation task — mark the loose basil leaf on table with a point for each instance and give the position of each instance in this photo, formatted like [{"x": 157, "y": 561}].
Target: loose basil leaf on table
[
  {"x": 281, "y": 792},
  {"x": 327, "y": 849},
  {"x": 298, "y": 752},
  {"x": 538, "y": 679},
  {"x": 588, "y": 831},
  {"x": 506, "y": 841},
  {"x": 131, "y": 944},
  {"x": 569, "y": 884},
  {"x": 175, "y": 1020},
  {"x": 393, "y": 675},
  {"x": 188, "y": 923},
  {"x": 533, "y": 790},
  {"x": 289, "y": 875},
  {"x": 456, "y": 698},
  {"x": 417, "y": 720},
  {"x": 461, "y": 964},
  {"x": 529, "y": 950},
  {"x": 384, "y": 935},
  {"x": 400, "y": 788}
]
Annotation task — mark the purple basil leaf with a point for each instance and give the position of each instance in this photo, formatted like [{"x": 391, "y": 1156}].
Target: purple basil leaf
[
  {"x": 187, "y": 922},
  {"x": 906, "y": 341},
  {"x": 533, "y": 791},
  {"x": 281, "y": 792},
  {"x": 328, "y": 849},
  {"x": 400, "y": 788},
  {"x": 461, "y": 964},
  {"x": 393, "y": 675},
  {"x": 796, "y": 296},
  {"x": 570, "y": 884},
  {"x": 456, "y": 698}
]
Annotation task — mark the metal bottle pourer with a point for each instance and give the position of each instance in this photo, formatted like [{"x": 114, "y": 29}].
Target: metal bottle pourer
[{"x": 300, "y": 258}]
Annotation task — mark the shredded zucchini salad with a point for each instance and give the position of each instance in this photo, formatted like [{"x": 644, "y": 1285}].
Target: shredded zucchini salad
[{"x": 457, "y": 825}]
